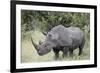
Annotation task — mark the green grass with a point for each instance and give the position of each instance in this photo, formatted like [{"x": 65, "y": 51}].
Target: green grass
[{"x": 29, "y": 54}]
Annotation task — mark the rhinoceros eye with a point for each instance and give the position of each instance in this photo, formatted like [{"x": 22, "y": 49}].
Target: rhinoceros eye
[{"x": 46, "y": 45}]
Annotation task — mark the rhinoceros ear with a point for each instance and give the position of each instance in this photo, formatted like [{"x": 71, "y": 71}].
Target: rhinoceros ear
[{"x": 54, "y": 36}]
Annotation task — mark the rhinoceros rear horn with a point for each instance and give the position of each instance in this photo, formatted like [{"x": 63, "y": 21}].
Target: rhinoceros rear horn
[
  {"x": 36, "y": 46},
  {"x": 45, "y": 33}
]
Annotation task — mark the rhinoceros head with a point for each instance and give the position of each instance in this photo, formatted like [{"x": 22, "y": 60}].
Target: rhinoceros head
[
  {"x": 42, "y": 48},
  {"x": 46, "y": 46}
]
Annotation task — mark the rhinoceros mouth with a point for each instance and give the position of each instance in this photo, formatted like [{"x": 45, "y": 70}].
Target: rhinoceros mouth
[{"x": 43, "y": 53}]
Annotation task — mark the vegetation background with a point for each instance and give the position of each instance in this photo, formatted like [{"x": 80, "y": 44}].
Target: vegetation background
[{"x": 33, "y": 23}]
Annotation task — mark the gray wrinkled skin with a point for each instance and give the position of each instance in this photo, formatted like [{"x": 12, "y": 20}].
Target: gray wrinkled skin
[{"x": 60, "y": 38}]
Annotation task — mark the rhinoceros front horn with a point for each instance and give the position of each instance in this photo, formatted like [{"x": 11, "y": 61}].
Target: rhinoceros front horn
[{"x": 36, "y": 46}]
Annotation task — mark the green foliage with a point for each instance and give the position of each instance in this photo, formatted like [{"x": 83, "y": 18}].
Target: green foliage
[{"x": 45, "y": 20}]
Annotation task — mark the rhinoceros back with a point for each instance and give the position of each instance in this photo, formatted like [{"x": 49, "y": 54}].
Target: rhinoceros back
[
  {"x": 68, "y": 36},
  {"x": 75, "y": 33},
  {"x": 64, "y": 39},
  {"x": 77, "y": 36}
]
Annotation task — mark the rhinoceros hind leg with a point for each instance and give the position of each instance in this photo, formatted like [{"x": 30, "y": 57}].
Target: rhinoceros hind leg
[
  {"x": 71, "y": 52},
  {"x": 81, "y": 48}
]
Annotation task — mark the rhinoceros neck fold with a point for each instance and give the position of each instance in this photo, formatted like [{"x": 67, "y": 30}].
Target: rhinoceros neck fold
[{"x": 36, "y": 47}]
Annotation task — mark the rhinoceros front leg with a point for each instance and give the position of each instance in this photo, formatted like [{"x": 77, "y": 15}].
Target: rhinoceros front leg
[
  {"x": 56, "y": 52},
  {"x": 65, "y": 52}
]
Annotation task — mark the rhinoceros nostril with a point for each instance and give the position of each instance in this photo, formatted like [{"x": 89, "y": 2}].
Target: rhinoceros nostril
[{"x": 39, "y": 52}]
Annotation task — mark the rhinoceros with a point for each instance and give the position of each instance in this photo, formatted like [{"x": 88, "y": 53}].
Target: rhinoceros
[{"x": 60, "y": 38}]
